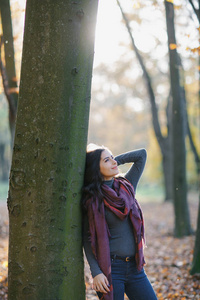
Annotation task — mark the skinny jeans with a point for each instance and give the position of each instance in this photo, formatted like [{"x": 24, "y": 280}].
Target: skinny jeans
[{"x": 128, "y": 280}]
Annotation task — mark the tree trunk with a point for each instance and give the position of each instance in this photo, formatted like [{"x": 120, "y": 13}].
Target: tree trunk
[
  {"x": 196, "y": 258},
  {"x": 45, "y": 240},
  {"x": 182, "y": 219},
  {"x": 3, "y": 163},
  {"x": 9, "y": 73},
  {"x": 167, "y": 169}
]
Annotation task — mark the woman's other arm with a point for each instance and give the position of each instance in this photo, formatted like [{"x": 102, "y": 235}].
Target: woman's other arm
[{"x": 138, "y": 158}]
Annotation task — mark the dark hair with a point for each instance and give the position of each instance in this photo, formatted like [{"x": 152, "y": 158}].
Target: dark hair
[{"x": 92, "y": 178}]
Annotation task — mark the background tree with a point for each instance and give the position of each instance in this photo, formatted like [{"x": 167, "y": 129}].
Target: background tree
[
  {"x": 8, "y": 70},
  {"x": 196, "y": 257},
  {"x": 182, "y": 219},
  {"x": 193, "y": 147},
  {"x": 4, "y": 142},
  {"x": 164, "y": 142},
  {"x": 45, "y": 244}
]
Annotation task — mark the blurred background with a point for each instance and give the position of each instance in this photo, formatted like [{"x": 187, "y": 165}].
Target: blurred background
[{"x": 121, "y": 115}]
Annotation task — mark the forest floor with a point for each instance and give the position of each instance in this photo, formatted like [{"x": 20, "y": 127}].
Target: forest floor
[{"x": 168, "y": 259}]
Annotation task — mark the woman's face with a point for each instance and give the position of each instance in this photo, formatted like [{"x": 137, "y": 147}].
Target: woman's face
[{"x": 108, "y": 165}]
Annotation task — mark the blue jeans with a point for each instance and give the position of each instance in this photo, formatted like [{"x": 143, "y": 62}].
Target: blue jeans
[{"x": 127, "y": 279}]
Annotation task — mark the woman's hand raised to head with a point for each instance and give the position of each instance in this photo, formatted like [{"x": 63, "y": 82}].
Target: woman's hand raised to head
[{"x": 101, "y": 284}]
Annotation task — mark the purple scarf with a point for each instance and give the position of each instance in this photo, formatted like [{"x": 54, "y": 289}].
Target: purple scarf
[{"x": 121, "y": 201}]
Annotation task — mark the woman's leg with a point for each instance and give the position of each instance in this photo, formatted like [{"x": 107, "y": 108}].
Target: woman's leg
[
  {"x": 118, "y": 282},
  {"x": 137, "y": 285},
  {"x": 118, "y": 279}
]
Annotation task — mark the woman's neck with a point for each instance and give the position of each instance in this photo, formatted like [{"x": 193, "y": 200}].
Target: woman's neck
[{"x": 109, "y": 183}]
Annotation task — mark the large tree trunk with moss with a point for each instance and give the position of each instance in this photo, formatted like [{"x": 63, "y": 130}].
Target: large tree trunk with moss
[
  {"x": 45, "y": 244},
  {"x": 8, "y": 70},
  {"x": 182, "y": 219}
]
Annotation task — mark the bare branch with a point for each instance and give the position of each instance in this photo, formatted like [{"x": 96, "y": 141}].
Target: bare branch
[
  {"x": 148, "y": 81},
  {"x": 196, "y": 11}
]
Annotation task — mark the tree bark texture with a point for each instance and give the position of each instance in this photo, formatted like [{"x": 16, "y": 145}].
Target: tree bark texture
[
  {"x": 8, "y": 71},
  {"x": 45, "y": 240},
  {"x": 182, "y": 218}
]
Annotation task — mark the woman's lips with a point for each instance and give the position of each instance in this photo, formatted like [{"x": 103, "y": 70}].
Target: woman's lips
[{"x": 114, "y": 167}]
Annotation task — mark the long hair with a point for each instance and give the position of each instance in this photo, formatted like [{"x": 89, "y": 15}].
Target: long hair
[{"x": 92, "y": 178}]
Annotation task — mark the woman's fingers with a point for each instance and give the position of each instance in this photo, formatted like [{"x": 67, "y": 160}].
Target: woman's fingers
[
  {"x": 103, "y": 288},
  {"x": 101, "y": 284},
  {"x": 106, "y": 281}
]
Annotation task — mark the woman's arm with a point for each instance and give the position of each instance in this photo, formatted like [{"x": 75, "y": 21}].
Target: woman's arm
[
  {"x": 100, "y": 281},
  {"x": 94, "y": 267},
  {"x": 138, "y": 158}
]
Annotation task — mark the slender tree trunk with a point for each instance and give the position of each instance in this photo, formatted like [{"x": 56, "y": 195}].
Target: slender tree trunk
[
  {"x": 3, "y": 164},
  {"x": 45, "y": 243},
  {"x": 194, "y": 149},
  {"x": 196, "y": 258},
  {"x": 167, "y": 169},
  {"x": 182, "y": 219},
  {"x": 8, "y": 72}
]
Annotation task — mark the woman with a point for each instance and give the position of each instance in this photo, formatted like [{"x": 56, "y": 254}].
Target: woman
[{"x": 113, "y": 225}]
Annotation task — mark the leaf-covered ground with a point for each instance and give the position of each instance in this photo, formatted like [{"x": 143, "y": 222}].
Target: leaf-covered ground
[{"x": 168, "y": 259}]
